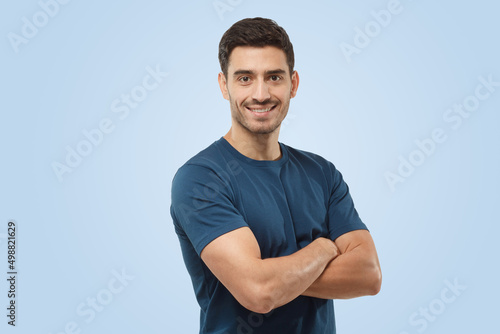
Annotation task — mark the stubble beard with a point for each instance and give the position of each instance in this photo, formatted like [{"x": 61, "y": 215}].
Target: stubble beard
[{"x": 238, "y": 116}]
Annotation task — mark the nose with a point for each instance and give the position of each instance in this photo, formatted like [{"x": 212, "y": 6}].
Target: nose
[{"x": 261, "y": 91}]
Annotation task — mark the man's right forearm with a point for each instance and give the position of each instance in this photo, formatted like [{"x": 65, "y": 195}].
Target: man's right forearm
[
  {"x": 261, "y": 285},
  {"x": 284, "y": 278}
]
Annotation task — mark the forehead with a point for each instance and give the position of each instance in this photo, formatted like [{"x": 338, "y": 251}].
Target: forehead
[{"x": 257, "y": 59}]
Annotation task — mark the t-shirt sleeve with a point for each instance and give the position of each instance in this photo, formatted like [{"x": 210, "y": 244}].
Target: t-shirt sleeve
[
  {"x": 201, "y": 206},
  {"x": 342, "y": 216}
]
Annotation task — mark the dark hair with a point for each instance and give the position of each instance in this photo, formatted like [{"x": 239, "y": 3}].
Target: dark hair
[{"x": 258, "y": 32}]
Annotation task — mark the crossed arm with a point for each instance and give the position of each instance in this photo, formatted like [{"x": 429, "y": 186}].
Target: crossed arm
[
  {"x": 345, "y": 268},
  {"x": 353, "y": 273}
]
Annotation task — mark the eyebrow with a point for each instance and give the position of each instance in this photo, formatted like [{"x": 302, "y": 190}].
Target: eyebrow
[{"x": 271, "y": 72}]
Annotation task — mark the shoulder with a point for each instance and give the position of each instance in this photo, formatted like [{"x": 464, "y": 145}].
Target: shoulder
[
  {"x": 308, "y": 159},
  {"x": 210, "y": 158},
  {"x": 198, "y": 166},
  {"x": 314, "y": 164},
  {"x": 209, "y": 165}
]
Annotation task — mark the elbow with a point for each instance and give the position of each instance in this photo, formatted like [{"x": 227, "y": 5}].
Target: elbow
[
  {"x": 260, "y": 307},
  {"x": 259, "y": 299},
  {"x": 374, "y": 281}
]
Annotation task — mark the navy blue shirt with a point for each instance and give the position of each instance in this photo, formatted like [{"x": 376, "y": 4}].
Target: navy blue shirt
[{"x": 286, "y": 203}]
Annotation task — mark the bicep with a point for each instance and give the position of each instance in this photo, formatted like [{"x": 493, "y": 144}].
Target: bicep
[
  {"x": 232, "y": 258},
  {"x": 361, "y": 256},
  {"x": 360, "y": 240}
]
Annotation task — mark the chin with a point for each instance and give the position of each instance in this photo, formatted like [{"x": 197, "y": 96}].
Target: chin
[{"x": 263, "y": 130}]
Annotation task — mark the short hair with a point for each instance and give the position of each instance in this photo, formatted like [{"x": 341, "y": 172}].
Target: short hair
[{"x": 257, "y": 32}]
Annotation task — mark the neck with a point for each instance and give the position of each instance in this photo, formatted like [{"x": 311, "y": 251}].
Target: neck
[{"x": 255, "y": 146}]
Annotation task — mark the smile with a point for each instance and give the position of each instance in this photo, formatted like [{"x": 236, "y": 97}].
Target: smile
[{"x": 261, "y": 110}]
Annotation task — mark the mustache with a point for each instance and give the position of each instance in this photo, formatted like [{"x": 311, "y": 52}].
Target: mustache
[{"x": 261, "y": 103}]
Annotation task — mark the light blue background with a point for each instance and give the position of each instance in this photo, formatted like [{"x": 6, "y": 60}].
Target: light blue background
[{"x": 112, "y": 211}]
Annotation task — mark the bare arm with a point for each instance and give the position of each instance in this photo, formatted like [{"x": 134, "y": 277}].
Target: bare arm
[
  {"x": 261, "y": 285},
  {"x": 354, "y": 273}
]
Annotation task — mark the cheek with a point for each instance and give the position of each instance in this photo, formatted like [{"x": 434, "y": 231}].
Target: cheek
[
  {"x": 234, "y": 103},
  {"x": 237, "y": 99},
  {"x": 283, "y": 92},
  {"x": 284, "y": 97}
]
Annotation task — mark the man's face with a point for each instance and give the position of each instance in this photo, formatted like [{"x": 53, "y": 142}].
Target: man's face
[{"x": 259, "y": 88}]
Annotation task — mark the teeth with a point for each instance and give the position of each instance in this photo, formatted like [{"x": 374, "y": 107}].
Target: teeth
[{"x": 261, "y": 110}]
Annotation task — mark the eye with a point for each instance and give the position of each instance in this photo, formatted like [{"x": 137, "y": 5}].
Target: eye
[
  {"x": 244, "y": 79},
  {"x": 275, "y": 78}
]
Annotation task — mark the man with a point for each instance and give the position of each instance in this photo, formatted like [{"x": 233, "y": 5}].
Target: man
[{"x": 269, "y": 233}]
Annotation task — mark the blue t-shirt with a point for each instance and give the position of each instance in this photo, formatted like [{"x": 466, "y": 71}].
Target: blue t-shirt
[{"x": 286, "y": 203}]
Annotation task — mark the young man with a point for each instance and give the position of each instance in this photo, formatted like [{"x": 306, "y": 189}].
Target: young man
[{"x": 269, "y": 233}]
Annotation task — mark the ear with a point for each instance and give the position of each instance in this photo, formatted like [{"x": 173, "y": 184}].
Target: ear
[
  {"x": 295, "y": 84},
  {"x": 223, "y": 85}
]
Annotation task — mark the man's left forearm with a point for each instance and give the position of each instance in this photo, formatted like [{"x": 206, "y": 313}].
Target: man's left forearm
[{"x": 354, "y": 273}]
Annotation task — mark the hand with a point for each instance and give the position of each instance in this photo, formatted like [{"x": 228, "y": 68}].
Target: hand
[{"x": 329, "y": 247}]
